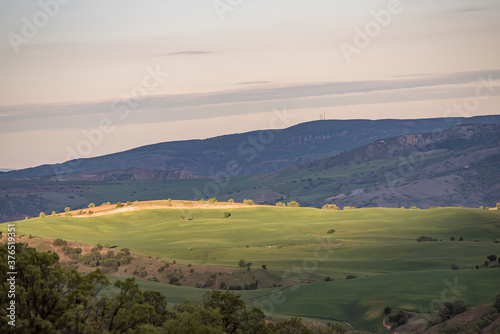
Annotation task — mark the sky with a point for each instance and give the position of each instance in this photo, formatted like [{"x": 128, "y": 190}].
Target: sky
[{"x": 83, "y": 78}]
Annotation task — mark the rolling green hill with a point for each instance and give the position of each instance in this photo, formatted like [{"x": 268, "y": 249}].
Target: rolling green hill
[{"x": 376, "y": 245}]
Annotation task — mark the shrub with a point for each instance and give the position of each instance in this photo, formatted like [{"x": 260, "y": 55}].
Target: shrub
[
  {"x": 125, "y": 251},
  {"x": 153, "y": 279},
  {"x": 248, "y": 202},
  {"x": 212, "y": 200},
  {"x": 328, "y": 279},
  {"x": 455, "y": 267},
  {"x": 413, "y": 208},
  {"x": 99, "y": 246},
  {"x": 110, "y": 263},
  {"x": 387, "y": 310},
  {"x": 293, "y": 204},
  {"x": 424, "y": 238},
  {"x": 174, "y": 280},
  {"x": 461, "y": 239},
  {"x": 349, "y": 207},
  {"x": 59, "y": 242},
  {"x": 169, "y": 202},
  {"x": 91, "y": 212},
  {"x": 497, "y": 303},
  {"x": 331, "y": 231},
  {"x": 242, "y": 263},
  {"x": 452, "y": 238},
  {"x": 351, "y": 277},
  {"x": 54, "y": 213},
  {"x": 129, "y": 203},
  {"x": 119, "y": 205},
  {"x": 67, "y": 209},
  {"x": 264, "y": 267},
  {"x": 42, "y": 214},
  {"x": 223, "y": 286},
  {"x": 227, "y": 215},
  {"x": 280, "y": 204},
  {"x": 91, "y": 205},
  {"x": 80, "y": 212},
  {"x": 330, "y": 207},
  {"x": 107, "y": 245},
  {"x": 492, "y": 258},
  {"x": 231, "y": 201}
]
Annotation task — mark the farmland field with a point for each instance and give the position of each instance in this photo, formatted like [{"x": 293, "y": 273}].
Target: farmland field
[{"x": 376, "y": 245}]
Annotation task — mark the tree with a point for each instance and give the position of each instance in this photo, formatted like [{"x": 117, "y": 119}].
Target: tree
[
  {"x": 91, "y": 205},
  {"x": 119, "y": 205},
  {"x": 212, "y": 200},
  {"x": 387, "y": 310},
  {"x": 492, "y": 258},
  {"x": 54, "y": 213},
  {"x": 67, "y": 209},
  {"x": 42, "y": 214},
  {"x": 264, "y": 267},
  {"x": 461, "y": 239},
  {"x": 242, "y": 263},
  {"x": 227, "y": 214},
  {"x": 280, "y": 204},
  {"x": 293, "y": 204},
  {"x": 248, "y": 202},
  {"x": 330, "y": 207},
  {"x": 129, "y": 203},
  {"x": 498, "y": 206},
  {"x": 231, "y": 201},
  {"x": 452, "y": 238}
]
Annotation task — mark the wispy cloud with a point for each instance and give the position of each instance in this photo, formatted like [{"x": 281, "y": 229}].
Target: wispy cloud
[
  {"x": 252, "y": 82},
  {"x": 186, "y": 53},
  {"x": 250, "y": 100}
]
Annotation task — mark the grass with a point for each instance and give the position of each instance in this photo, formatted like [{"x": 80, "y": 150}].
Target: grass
[{"x": 377, "y": 245}]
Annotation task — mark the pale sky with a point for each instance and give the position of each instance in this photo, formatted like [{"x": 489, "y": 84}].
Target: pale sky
[{"x": 99, "y": 77}]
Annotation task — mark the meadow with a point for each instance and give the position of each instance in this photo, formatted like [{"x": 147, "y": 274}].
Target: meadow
[{"x": 376, "y": 245}]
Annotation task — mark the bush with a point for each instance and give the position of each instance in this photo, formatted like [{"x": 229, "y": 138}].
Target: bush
[
  {"x": 248, "y": 202},
  {"x": 212, "y": 200},
  {"x": 328, "y": 279},
  {"x": 242, "y": 263},
  {"x": 387, "y": 310},
  {"x": 280, "y": 204},
  {"x": 59, "y": 242},
  {"x": 107, "y": 245},
  {"x": 53, "y": 213},
  {"x": 293, "y": 204},
  {"x": 110, "y": 263},
  {"x": 231, "y": 201},
  {"x": 330, "y": 207},
  {"x": 461, "y": 239},
  {"x": 91, "y": 205},
  {"x": 349, "y": 207},
  {"x": 129, "y": 203},
  {"x": 67, "y": 209},
  {"x": 119, "y": 205},
  {"x": 174, "y": 280},
  {"x": 125, "y": 251},
  {"x": 455, "y": 267},
  {"x": 227, "y": 215},
  {"x": 42, "y": 214},
  {"x": 492, "y": 258},
  {"x": 452, "y": 238},
  {"x": 351, "y": 277},
  {"x": 331, "y": 231},
  {"x": 264, "y": 267},
  {"x": 497, "y": 303},
  {"x": 223, "y": 286},
  {"x": 424, "y": 238}
]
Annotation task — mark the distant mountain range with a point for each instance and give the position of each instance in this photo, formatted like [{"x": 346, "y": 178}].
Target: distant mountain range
[
  {"x": 254, "y": 152},
  {"x": 390, "y": 163}
]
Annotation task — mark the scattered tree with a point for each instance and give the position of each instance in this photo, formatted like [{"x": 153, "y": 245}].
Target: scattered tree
[
  {"x": 42, "y": 214},
  {"x": 492, "y": 258},
  {"x": 242, "y": 263},
  {"x": 119, "y": 205},
  {"x": 330, "y": 207},
  {"x": 248, "y": 202},
  {"x": 455, "y": 267},
  {"x": 129, "y": 203},
  {"x": 212, "y": 200},
  {"x": 452, "y": 238},
  {"x": 54, "y": 213},
  {"x": 461, "y": 239},
  {"x": 91, "y": 205},
  {"x": 67, "y": 209},
  {"x": 231, "y": 201},
  {"x": 387, "y": 310},
  {"x": 264, "y": 267},
  {"x": 280, "y": 204},
  {"x": 293, "y": 204}
]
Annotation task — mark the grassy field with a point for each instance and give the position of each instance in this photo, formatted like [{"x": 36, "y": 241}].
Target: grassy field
[{"x": 377, "y": 245}]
